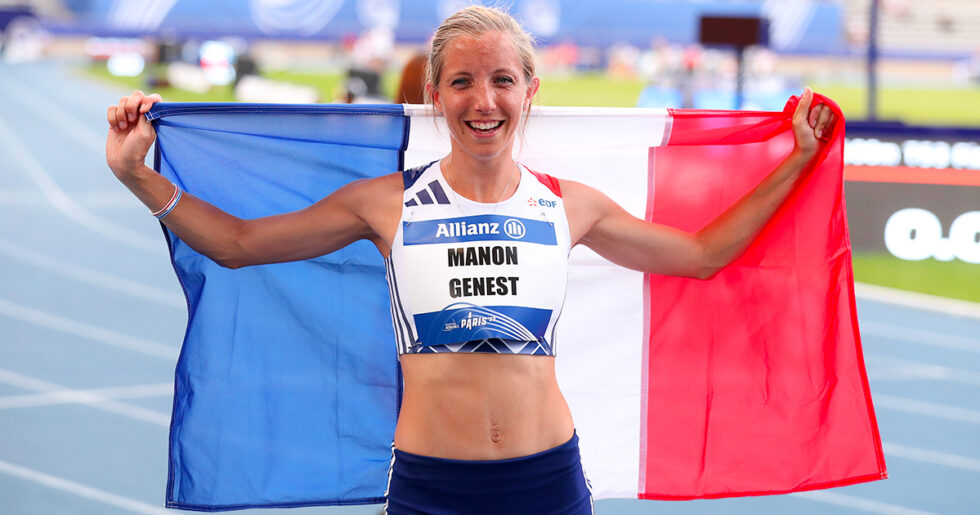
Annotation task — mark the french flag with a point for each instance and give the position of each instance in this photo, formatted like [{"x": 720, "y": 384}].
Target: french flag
[{"x": 753, "y": 382}]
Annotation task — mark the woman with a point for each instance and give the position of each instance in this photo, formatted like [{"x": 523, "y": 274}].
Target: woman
[{"x": 483, "y": 427}]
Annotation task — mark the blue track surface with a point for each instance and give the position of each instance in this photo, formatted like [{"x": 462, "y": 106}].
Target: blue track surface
[{"x": 91, "y": 317}]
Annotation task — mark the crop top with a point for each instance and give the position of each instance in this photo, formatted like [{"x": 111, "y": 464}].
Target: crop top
[{"x": 466, "y": 276}]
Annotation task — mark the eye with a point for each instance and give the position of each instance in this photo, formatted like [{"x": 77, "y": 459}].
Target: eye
[
  {"x": 458, "y": 82},
  {"x": 505, "y": 79}
]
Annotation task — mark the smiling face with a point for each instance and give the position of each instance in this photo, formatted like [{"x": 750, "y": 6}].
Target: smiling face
[{"x": 483, "y": 95}]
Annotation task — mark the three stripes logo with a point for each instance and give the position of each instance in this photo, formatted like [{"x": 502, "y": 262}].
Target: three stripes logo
[{"x": 433, "y": 194}]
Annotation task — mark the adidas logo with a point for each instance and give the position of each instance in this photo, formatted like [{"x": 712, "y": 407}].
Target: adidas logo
[{"x": 433, "y": 194}]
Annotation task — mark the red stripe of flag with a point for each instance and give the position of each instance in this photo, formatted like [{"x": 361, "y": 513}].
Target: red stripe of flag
[{"x": 756, "y": 382}]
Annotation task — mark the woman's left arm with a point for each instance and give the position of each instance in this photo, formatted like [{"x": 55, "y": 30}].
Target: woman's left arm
[{"x": 602, "y": 225}]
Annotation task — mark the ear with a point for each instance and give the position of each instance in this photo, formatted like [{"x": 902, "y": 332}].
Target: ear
[
  {"x": 434, "y": 95},
  {"x": 532, "y": 89}
]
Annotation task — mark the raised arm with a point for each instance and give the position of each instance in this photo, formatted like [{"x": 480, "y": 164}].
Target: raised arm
[
  {"x": 332, "y": 223},
  {"x": 602, "y": 225}
]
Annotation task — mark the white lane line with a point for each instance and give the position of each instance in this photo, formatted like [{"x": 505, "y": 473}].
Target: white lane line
[
  {"x": 58, "y": 118},
  {"x": 921, "y": 336},
  {"x": 15, "y": 148},
  {"x": 926, "y": 408},
  {"x": 89, "y": 396},
  {"x": 91, "y": 332},
  {"x": 887, "y": 368},
  {"x": 94, "y": 199},
  {"x": 934, "y": 457},
  {"x": 90, "y": 276},
  {"x": 858, "y": 503},
  {"x": 81, "y": 490},
  {"x": 917, "y": 300},
  {"x": 102, "y": 403},
  {"x": 920, "y": 372}
]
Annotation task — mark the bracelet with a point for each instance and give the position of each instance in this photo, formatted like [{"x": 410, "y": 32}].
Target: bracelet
[{"x": 171, "y": 204}]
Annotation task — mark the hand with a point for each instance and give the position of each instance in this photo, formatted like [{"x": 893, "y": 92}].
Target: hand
[
  {"x": 810, "y": 125},
  {"x": 130, "y": 135}
]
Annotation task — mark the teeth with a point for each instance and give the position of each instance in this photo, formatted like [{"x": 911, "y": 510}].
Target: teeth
[{"x": 485, "y": 126}]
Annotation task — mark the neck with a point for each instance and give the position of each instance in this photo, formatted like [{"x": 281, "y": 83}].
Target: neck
[{"x": 484, "y": 181}]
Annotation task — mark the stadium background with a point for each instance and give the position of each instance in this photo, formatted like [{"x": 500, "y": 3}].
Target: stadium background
[{"x": 913, "y": 187}]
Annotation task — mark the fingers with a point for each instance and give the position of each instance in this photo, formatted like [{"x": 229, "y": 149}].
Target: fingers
[
  {"x": 111, "y": 115},
  {"x": 819, "y": 117},
  {"x": 148, "y": 102},
  {"x": 803, "y": 107},
  {"x": 133, "y": 105},
  {"x": 126, "y": 113},
  {"x": 121, "y": 118},
  {"x": 824, "y": 122}
]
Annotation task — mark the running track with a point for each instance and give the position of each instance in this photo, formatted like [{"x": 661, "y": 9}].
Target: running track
[{"x": 91, "y": 318}]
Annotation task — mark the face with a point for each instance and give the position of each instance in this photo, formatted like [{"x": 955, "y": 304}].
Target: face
[{"x": 482, "y": 94}]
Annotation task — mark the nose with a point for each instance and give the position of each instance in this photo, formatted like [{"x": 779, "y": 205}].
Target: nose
[{"x": 484, "y": 99}]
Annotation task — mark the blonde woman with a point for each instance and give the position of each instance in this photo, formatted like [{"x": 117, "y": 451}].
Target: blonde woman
[{"x": 483, "y": 427}]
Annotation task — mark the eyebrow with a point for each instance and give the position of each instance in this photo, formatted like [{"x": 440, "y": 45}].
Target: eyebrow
[{"x": 497, "y": 71}]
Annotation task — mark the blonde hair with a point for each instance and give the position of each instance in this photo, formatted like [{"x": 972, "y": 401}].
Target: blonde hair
[{"x": 475, "y": 21}]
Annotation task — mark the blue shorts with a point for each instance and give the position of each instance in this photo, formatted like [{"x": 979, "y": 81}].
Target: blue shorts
[{"x": 550, "y": 481}]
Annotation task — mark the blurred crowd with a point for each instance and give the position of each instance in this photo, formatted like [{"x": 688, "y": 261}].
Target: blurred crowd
[{"x": 676, "y": 75}]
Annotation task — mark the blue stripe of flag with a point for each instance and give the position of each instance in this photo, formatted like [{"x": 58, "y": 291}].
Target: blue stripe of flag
[{"x": 287, "y": 386}]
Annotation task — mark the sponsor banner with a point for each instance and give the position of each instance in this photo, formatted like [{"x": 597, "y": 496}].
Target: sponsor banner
[
  {"x": 915, "y": 221},
  {"x": 463, "y": 322},
  {"x": 913, "y": 192},
  {"x": 479, "y": 228}
]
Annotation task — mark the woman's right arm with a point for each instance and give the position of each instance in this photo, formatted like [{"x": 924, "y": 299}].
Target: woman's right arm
[{"x": 332, "y": 223}]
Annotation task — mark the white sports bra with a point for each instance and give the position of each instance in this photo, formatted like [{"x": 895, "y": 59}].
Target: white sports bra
[{"x": 471, "y": 277}]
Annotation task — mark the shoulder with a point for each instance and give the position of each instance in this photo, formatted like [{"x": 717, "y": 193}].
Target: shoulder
[
  {"x": 582, "y": 196},
  {"x": 382, "y": 186},
  {"x": 411, "y": 175},
  {"x": 553, "y": 184},
  {"x": 566, "y": 189},
  {"x": 365, "y": 195},
  {"x": 377, "y": 202},
  {"x": 585, "y": 206}
]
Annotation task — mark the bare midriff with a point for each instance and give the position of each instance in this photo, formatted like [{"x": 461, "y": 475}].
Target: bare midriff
[{"x": 481, "y": 406}]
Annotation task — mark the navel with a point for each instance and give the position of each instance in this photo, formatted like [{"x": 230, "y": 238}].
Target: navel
[{"x": 495, "y": 435}]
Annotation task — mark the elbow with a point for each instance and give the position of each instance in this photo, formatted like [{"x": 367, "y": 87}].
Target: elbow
[
  {"x": 234, "y": 254},
  {"x": 705, "y": 272},
  {"x": 230, "y": 259},
  {"x": 230, "y": 263},
  {"x": 706, "y": 263}
]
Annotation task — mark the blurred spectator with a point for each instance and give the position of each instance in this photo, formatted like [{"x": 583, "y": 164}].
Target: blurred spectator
[
  {"x": 946, "y": 23},
  {"x": 410, "y": 86},
  {"x": 660, "y": 62},
  {"x": 900, "y": 9},
  {"x": 561, "y": 59},
  {"x": 621, "y": 60},
  {"x": 21, "y": 36},
  {"x": 363, "y": 87},
  {"x": 245, "y": 66},
  {"x": 967, "y": 71},
  {"x": 690, "y": 61},
  {"x": 369, "y": 58},
  {"x": 168, "y": 48}
]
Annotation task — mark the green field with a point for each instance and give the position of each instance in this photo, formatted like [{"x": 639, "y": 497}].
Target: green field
[
  {"x": 950, "y": 106},
  {"x": 327, "y": 84},
  {"x": 955, "y": 279}
]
